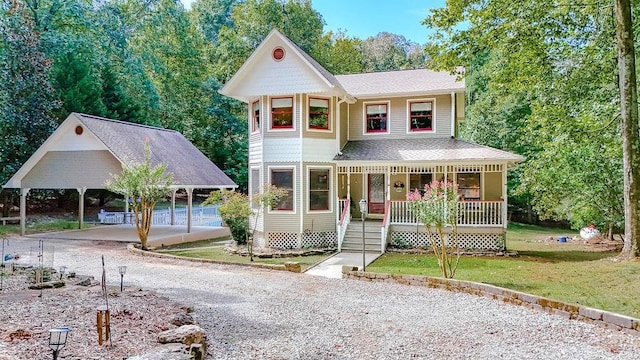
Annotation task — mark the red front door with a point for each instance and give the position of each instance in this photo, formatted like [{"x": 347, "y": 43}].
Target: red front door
[{"x": 376, "y": 194}]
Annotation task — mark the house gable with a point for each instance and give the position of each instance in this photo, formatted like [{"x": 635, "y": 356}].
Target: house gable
[{"x": 294, "y": 73}]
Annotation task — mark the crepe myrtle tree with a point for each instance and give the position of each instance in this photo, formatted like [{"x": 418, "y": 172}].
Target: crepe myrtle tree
[
  {"x": 143, "y": 184},
  {"x": 236, "y": 211},
  {"x": 437, "y": 208}
]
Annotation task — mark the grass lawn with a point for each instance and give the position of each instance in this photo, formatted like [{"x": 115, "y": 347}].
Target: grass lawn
[
  {"x": 569, "y": 272},
  {"x": 219, "y": 254}
]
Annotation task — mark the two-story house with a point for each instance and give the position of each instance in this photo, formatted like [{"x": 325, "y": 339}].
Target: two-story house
[{"x": 334, "y": 140}]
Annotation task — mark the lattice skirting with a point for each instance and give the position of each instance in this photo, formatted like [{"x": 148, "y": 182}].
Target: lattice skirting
[
  {"x": 408, "y": 239},
  {"x": 319, "y": 239},
  {"x": 288, "y": 240}
]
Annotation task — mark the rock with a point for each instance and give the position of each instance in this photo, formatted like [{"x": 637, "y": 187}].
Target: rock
[
  {"x": 292, "y": 266},
  {"x": 82, "y": 281},
  {"x": 186, "y": 334},
  {"x": 197, "y": 351},
  {"x": 164, "y": 352},
  {"x": 182, "y": 319}
]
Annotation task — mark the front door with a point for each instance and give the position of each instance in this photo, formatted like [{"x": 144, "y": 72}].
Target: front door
[{"x": 376, "y": 193}]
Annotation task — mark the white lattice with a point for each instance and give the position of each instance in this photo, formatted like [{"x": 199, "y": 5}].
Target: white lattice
[
  {"x": 319, "y": 240},
  {"x": 283, "y": 240},
  {"x": 407, "y": 239}
]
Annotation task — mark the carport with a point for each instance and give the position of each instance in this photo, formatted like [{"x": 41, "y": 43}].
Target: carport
[{"x": 85, "y": 150}]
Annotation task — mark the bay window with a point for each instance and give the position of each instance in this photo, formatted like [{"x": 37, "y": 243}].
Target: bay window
[
  {"x": 319, "y": 114},
  {"x": 283, "y": 179},
  {"x": 319, "y": 189},
  {"x": 282, "y": 113}
]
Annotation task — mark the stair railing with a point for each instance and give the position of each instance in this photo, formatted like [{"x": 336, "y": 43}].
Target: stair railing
[{"x": 343, "y": 223}]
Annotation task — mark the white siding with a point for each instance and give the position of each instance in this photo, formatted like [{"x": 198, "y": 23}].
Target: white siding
[
  {"x": 70, "y": 141},
  {"x": 281, "y": 150},
  {"x": 318, "y": 150}
]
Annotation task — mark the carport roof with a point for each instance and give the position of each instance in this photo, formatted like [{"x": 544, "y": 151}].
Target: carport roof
[{"x": 125, "y": 141}]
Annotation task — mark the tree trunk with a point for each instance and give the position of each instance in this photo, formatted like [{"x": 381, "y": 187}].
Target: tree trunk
[{"x": 629, "y": 116}]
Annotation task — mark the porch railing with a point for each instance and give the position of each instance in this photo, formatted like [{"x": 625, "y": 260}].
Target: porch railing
[
  {"x": 344, "y": 220},
  {"x": 470, "y": 213}
]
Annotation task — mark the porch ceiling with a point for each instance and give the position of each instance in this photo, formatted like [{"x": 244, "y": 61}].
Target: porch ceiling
[{"x": 442, "y": 149}]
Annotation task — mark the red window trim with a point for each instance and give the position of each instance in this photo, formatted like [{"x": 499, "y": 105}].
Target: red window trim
[
  {"x": 254, "y": 128},
  {"x": 292, "y": 171},
  {"x": 422, "y": 116},
  {"x": 327, "y": 190},
  {"x": 366, "y": 118},
  {"x": 328, "y": 114},
  {"x": 282, "y": 112}
]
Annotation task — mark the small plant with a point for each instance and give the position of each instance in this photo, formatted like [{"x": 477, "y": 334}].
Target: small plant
[{"x": 399, "y": 242}]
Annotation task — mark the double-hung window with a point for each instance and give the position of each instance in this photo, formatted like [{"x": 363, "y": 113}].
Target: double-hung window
[
  {"x": 421, "y": 116},
  {"x": 319, "y": 189},
  {"x": 282, "y": 113},
  {"x": 376, "y": 118},
  {"x": 283, "y": 179},
  {"x": 255, "y": 187},
  {"x": 255, "y": 114},
  {"x": 318, "y": 114},
  {"x": 469, "y": 185},
  {"x": 418, "y": 181}
]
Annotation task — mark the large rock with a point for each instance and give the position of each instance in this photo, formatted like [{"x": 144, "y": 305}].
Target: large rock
[
  {"x": 182, "y": 319},
  {"x": 165, "y": 352},
  {"x": 186, "y": 334}
]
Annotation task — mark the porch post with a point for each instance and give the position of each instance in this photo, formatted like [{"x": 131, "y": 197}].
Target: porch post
[
  {"x": 348, "y": 182},
  {"x": 173, "y": 206},
  {"x": 388, "y": 183},
  {"x": 81, "y": 192},
  {"x": 189, "y": 203},
  {"x": 126, "y": 204},
  {"x": 23, "y": 210},
  {"x": 504, "y": 196}
]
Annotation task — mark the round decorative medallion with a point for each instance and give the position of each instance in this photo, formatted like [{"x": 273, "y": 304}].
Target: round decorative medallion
[
  {"x": 79, "y": 130},
  {"x": 278, "y": 54}
]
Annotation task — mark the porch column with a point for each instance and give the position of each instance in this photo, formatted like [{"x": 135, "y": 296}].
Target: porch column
[
  {"x": 81, "y": 192},
  {"x": 189, "y": 203},
  {"x": 504, "y": 196},
  {"x": 23, "y": 210},
  {"x": 173, "y": 206},
  {"x": 126, "y": 204},
  {"x": 348, "y": 182},
  {"x": 387, "y": 180}
]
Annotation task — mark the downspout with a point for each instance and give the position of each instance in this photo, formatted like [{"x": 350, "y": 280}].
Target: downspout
[
  {"x": 300, "y": 189},
  {"x": 453, "y": 114}
]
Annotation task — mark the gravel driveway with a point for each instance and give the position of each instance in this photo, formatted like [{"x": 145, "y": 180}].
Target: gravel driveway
[{"x": 263, "y": 314}]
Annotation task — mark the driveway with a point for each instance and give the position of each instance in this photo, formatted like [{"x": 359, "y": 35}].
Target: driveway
[{"x": 264, "y": 314}]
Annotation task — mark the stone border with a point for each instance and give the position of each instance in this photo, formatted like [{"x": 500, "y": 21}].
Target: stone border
[
  {"x": 569, "y": 311},
  {"x": 289, "y": 266}
]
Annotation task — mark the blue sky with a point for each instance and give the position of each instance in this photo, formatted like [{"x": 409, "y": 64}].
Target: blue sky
[{"x": 364, "y": 18}]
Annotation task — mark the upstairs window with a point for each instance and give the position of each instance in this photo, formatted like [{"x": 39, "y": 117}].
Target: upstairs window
[
  {"x": 318, "y": 114},
  {"x": 319, "y": 189},
  {"x": 283, "y": 179},
  {"x": 421, "y": 116},
  {"x": 255, "y": 113},
  {"x": 376, "y": 118},
  {"x": 282, "y": 113}
]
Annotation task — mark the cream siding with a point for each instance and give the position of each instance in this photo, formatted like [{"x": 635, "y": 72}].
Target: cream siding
[
  {"x": 72, "y": 169},
  {"x": 398, "y": 122},
  {"x": 318, "y": 150},
  {"x": 344, "y": 124},
  {"x": 281, "y": 150}
]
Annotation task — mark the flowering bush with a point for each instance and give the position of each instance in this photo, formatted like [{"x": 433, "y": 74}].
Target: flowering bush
[{"x": 437, "y": 207}]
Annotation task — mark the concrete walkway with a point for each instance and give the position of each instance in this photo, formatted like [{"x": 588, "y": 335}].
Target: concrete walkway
[
  {"x": 158, "y": 235},
  {"x": 332, "y": 267}
]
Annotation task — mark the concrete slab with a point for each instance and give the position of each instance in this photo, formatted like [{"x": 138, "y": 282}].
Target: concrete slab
[
  {"x": 158, "y": 235},
  {"x": 332, "y": 267}
]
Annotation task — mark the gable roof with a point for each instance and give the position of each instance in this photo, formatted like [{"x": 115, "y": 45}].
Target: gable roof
[
  {"x": 125, "y": 141},
  {"x": 400, "y": 83},
  {"x": 435, "y": 149},
  {"x": 233, "y": 87}
]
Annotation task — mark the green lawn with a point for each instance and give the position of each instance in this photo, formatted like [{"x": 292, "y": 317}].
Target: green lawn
[
  {"x": 565, "y": 271},
  {"x": 219, "y": 254}
]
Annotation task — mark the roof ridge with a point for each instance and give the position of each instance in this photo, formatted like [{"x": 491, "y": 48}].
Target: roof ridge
[
  {"x": 391, "y": 71},
  {"x": 95, "y": 117}
]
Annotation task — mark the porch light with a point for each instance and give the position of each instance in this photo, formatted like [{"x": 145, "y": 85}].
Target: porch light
[
  {"x": 57, "y": 340},
  {"x": 363, "y": 213}
]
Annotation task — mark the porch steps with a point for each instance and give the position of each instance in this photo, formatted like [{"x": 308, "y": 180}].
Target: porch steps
[{"x": 353, "y": 236}]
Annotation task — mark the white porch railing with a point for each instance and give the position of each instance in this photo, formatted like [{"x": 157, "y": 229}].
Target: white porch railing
[
  {"x": 470, "y": 213},
  {"x": 343, "y": 220}
]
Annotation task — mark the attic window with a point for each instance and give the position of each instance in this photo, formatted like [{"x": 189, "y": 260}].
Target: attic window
[
  {"x": 278, "y": 54},
  {"x": 79, "y": 130}
]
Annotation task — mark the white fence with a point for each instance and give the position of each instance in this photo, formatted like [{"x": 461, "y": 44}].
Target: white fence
[
  {"x": 200, "y": 216},
  {"x": 470, "y": 213}
]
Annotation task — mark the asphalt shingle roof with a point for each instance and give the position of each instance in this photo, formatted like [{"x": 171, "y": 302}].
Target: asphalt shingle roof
[
  {"x": 403, "y": 82},
  {"x": 438, "y": 149},
  {"x": 126, "y": 141}
]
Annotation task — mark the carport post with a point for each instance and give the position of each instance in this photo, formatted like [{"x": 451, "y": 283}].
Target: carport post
[
  {"x": 173, "y": 206},
  {"x": 23, "y": 210},
  {"x": 81, "y": 192},
  {"x": 189, "y": 206}
]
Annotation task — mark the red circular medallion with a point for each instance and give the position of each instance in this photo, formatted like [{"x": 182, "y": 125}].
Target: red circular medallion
[
  {"x": 278, "y": 54},
  {"x": 79, "y": 130}
]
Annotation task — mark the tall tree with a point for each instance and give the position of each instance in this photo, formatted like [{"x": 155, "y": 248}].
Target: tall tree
[
  {"x": 630, "y": 135},
  {"x": 387, "y": 51},
  {"x": 27, "y": 99}
]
